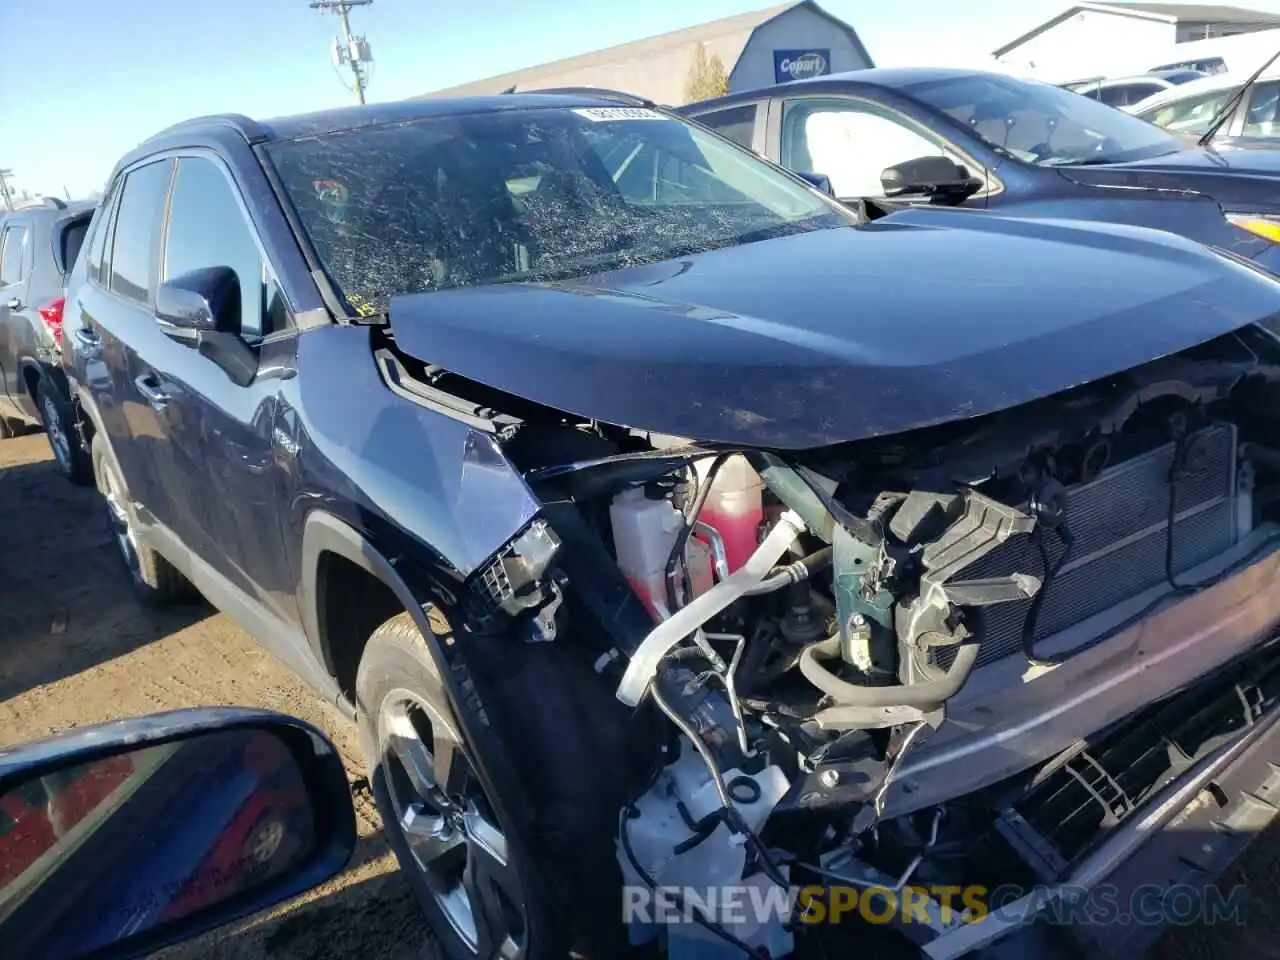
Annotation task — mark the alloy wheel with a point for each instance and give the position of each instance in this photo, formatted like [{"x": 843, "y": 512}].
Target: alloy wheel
[
  {"x": 118, "y": 517},
  {"x": 449, "y": 826},
  {"x": 57, "y": 434}
]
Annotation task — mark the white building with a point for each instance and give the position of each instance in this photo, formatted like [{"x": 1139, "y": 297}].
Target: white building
[
  {"x": 1115, "y": 39},
  {"x": 758, "y": 49}
]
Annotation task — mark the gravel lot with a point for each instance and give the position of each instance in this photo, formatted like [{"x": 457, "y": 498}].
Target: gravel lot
[{"x": 75, "y": 648}]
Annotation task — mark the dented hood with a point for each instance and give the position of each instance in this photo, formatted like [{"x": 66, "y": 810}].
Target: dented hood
[{"x": 842, "y": 334}]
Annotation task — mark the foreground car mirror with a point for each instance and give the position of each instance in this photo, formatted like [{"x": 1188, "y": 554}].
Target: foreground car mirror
[
  {"x": 202, "y": 308},
  {"x": 120, "y": 839},
  {"x": 819, "y": 180},
  {"x": 935, "y": 176},
  {"x": 205, "y": 299}
]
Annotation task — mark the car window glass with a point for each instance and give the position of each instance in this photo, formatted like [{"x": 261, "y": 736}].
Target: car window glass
[
  {"x": 11, "y": 255},
  {"x": 736, "y": 123},
  {"x": 1190, "y": 114},
  {"x": 133, "y": 248},
  {"x": 850, "y": 143},
  {"x": 1263, "y": 119},
  {"x": 547, "y": 193},
  {"x": 207, "y": 228},
  {"x": 72, "y": 241},
  {"x": 1126, "y": 94},
  {"x": 99, "y": 228}
]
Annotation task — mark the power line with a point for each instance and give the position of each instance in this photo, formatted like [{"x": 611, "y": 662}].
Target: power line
[
  {"x": 349, "y": 49},
  {"x": 5, "y": 195}
]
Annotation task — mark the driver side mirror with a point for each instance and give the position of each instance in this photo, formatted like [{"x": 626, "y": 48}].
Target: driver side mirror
[
  {"x": 937, "y": 177},
  {"x": 819, "y": 180},
  {"x": 202, "y": 308},
  {"x": 126, "y": 837},
  {"x": 204, "y": 299}
]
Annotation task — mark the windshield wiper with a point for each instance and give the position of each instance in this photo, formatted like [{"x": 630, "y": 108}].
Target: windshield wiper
[{"x": 1233, "y": 101}]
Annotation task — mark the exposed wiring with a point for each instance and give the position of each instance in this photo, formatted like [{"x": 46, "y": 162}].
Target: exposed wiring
[
  {"x": 733, "y": 820},
  {"x": 1032, "y": 619},
  {"x": 677, "y": 558},
  {"x": 686, "y": 909}
]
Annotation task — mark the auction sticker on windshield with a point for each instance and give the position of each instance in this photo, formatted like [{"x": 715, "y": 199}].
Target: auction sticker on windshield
[{"x": 605, "y": 114}]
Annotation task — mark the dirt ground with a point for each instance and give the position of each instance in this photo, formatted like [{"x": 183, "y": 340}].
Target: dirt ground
[{"x": 76, "y": 648}]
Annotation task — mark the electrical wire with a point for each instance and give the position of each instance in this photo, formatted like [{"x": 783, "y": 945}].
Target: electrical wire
[
  {"x": 1032, "y": 618},
  {"x": 676, "y": 557},
  {"x": 732, "y": 818},
  {"x": 698, "y": 917}
]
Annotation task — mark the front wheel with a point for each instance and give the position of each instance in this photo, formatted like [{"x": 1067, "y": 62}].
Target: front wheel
[{"x": 467, "y": 872}]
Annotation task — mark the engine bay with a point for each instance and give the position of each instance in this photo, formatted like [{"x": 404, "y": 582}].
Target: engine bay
[{"x": 813, "y": 617}]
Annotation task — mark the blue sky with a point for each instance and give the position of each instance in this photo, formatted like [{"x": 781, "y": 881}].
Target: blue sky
[{"x": 86, "y": 80}]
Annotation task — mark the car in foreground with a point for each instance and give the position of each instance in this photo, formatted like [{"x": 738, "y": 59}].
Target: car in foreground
[
  {"x": 38, "y": 245},
  {"x": 665, "y": 526},
  {"x": 1008, "y": 145},
  {"x": 1191, "y": 108}
]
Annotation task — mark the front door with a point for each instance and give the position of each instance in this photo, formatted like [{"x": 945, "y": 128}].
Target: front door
[
  {"x": 222, "y": 476},
  {"x": 852, "y": 141}
]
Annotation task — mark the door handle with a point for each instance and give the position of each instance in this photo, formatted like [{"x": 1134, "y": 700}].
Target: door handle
[
  {"x": 152, "y": 391},
  {"x": 87, "y": 337},
  {"x": 15, "y": 303}
]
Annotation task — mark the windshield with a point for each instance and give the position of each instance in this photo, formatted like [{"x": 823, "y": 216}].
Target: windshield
[
  {"x": 535, "y": 194},
  {"x": 1042, "y": 124}
]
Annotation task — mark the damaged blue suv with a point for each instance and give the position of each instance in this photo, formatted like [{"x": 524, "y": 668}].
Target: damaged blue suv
[{"x": 665, "y": 527}]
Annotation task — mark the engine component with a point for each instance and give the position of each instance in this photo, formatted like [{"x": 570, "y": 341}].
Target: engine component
[
  {"x": 644, "y": 662},
  {"x": 676, "y": 837},
  {"x": 1118, "y": 524},
  {"x": 645, "y": 530},
  {"x": 734, "y": 505}
]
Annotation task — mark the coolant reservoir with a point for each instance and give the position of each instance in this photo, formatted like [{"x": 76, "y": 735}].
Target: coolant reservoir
[
  {"x": 644, "y": 533},
  {"x": 735, "y": 507}
]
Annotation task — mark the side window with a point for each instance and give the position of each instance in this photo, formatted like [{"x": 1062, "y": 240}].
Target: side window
[
  {"x": 11, "y": 253},
  {"x": 1190, "y": 114},
  {"x": 736, "y": 123},
  {"x": 137, "y": 228},
  {"x": 1263, "y": 119},
  {"x": 851, "y": 143},
  {"x": 207, "y": 228},
  {"x": 99, "y": 228},
  {"x": 1127, "y": 94}
]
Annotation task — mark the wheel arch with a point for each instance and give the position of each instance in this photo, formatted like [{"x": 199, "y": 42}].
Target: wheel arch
[{"x": 327, "y": 538}]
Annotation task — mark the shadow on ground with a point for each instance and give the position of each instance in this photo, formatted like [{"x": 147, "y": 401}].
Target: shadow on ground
[{"x": 60, "y": 573}]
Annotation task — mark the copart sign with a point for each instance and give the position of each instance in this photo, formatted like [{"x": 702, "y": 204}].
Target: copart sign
[{"x": 800, "y": 64}]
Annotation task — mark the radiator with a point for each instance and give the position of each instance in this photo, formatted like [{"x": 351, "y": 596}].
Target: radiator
[{"x": 1118, "y": 522}]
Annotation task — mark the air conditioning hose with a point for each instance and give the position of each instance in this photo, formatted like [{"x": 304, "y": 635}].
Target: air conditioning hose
[{"x": 929, "y": 694}]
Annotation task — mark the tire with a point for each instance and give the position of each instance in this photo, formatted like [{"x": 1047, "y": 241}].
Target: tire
[
  {"x": 69, "y": 455},
  {"x": 155, "y": 581},
  {"x": 402, "y": 710}
]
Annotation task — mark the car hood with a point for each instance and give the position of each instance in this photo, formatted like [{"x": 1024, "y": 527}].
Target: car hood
[
  {"x": 1221, "y": 171},
  {"x": 841, "y": 334}
]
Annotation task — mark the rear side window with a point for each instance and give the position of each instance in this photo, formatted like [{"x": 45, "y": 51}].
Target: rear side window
[
  {"x": 207, "y": 228},
  {"x": 1190, "y": 114},
  {"x": 133, "y": 249},
  {"x": 736, "y": 123},
  {"x": 11, "y": 252},
  {"x": 68, "y": 243},
  {"x": 100, "y": 229}
]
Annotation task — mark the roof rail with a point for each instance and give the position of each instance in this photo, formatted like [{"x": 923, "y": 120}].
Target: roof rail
[
  {"x": 56, "y": 202},
  {"x": 248, "y": 128},
  {"x": 601, "y": 92}
]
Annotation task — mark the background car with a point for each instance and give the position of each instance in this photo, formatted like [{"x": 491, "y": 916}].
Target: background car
[
  {"x": 1126, "y": 92},
  {"x": 38, "y": 246},
  {"x": 1014, "y": 146},
  {"x": 1192, "y": 107}
]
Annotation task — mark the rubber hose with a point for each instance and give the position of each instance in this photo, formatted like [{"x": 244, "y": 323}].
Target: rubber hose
[{"x": 930, "y": 693}]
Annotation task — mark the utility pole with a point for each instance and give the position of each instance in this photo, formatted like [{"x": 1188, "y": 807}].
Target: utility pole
[
  {"x": 348, "y": 49},
  {"x": 5, "y": 195}
]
